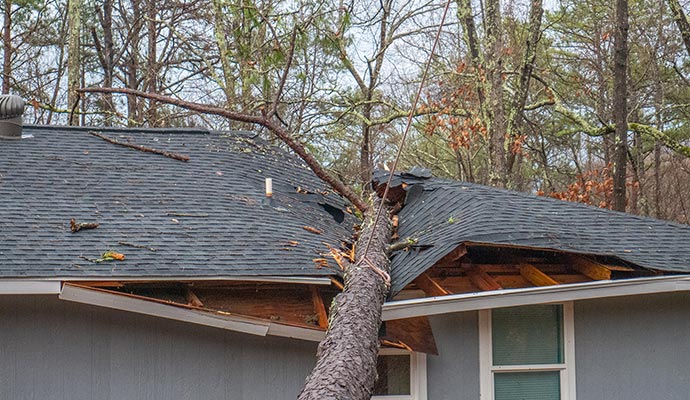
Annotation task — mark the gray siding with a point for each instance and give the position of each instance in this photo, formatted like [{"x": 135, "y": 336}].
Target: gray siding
[
  {"x": 633, "y": 348},
  {"x": 454, "y": 373},
  {"x": 52, "y": 349}
]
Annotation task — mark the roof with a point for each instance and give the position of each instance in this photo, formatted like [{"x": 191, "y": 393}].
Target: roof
[
  {"x": 442, "y": 214},
  {"x": 207, "y": 217}
]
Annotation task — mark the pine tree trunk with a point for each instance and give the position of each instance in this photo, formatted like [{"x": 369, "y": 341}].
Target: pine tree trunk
[{"x": 346, "y": 358}]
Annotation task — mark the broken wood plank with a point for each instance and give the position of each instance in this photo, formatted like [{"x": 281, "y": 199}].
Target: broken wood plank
[
  {"x": 415, "y": 333},
  {"x": 192, "y": 298},
  {"x": 591, "y": 268},
  {"x": 319, "y": 307},
  {"x": 337, "y": 283},
  {"x": 535, "y": 276},
  {"x": 482, "y": 280},
  {"x": 430, "y": 286},
  {"x": 180, "y": 157}
]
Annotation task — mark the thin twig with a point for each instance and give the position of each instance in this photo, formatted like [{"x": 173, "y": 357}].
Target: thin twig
[
  {"x": 180, "y": 157},
  {"x": 174, "y": 214},
  {"x": 138, "y": 246}
]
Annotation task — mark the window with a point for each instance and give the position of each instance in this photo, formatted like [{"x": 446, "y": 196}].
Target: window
[
  {"x": 527, "y": 353},
  {"x": 402, "y": 375}
]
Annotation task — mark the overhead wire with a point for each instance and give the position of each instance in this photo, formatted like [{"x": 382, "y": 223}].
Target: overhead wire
[{"x": 410, "y": 116}]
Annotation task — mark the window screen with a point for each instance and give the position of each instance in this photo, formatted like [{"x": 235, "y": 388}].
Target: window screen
[
  {"x": 394, "y": 375},
  {"x": 527, "y": 335}
]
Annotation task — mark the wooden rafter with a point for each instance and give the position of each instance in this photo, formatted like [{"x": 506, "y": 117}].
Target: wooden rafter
[
  {"x": 319, "y": 307},
  {"x": 591, "y": 268},
  {"x": 430, "y": 286},
  {"x": 482, "y": 280},
  {"x": 535, "y": 276},
  {"x": 192, "y": 298}
]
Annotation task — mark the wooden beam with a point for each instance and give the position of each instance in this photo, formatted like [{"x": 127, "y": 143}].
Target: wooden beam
[
  {"x": 430, "y": 286},
  {"x": 337, "y": 283},
  {"x": 319, "y": 307},
  {"x": 535, "y": 276},
  {"x": 482, "y": 280},
  {"x": 591, "y": 268},
  {"x": 192, "y": 298}
]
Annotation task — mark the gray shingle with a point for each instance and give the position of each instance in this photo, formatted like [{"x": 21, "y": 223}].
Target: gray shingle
[
  {"x": 449, "y": 213},
  {"x": 206, "y": 217}
]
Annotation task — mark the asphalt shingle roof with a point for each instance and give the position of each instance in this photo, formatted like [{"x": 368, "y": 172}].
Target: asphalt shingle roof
[
  {"x": 204, "y": 218},
  {"x": 447, "y": 213}
]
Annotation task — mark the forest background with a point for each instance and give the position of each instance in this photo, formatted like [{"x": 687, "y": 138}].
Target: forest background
[{"x": 521, "y": 95}]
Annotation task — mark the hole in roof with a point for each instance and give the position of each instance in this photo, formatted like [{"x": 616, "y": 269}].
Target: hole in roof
[{"x": 337, "y": 214}]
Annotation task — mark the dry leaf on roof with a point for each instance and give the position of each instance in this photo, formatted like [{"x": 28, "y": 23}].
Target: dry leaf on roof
[{"x": 312, "y": 230}]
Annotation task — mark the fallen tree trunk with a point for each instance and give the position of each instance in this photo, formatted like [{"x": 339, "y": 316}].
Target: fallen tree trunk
[{"x": 346, "y": 358}]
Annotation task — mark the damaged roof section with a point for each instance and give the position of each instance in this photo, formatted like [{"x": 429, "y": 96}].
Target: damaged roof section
[
  {"x": 158, "y": 216},
  {"x": 442, "y": 215}
]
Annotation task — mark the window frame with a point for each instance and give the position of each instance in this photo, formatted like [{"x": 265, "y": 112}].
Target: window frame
[
  {"x": 567, "y": 369},
  {"x": 417, "y": 375}
]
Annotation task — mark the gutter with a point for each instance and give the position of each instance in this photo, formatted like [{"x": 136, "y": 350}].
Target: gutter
[
  {"x": 123, "y": 302},
  {"x": 535, "y": 295}
]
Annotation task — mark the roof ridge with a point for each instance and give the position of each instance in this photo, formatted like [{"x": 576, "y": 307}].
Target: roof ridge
[{"x": 182, "y": 130}]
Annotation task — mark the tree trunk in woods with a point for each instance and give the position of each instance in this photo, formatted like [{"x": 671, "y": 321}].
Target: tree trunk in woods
[
  {"x": 107, "y": 58},
  {"x": 681, "y": 22},
  {"x": 346, "y": 358},
  {"x": 151, "y": 61},
  {"x": 7, "y": 48},
  {"x": 497, "y": 119},
  {"x": 516, "y": 117},
  {"x": 620, "y": 104},
  {"x": 73, "y": 56},
  {"x": 132, "y": 65}
]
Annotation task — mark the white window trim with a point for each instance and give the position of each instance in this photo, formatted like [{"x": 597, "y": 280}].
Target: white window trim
[
  {"x": 487, "y": 369},
  {"x": 417, "y": 375}
]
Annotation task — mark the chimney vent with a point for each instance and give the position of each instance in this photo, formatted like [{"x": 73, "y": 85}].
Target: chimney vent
[{"x": 11, "y": 110}]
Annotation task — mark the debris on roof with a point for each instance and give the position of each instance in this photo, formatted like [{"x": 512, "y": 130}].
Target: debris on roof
[
  {"x": 205, "y": 218},
  {"x": 442, "y": 215}
]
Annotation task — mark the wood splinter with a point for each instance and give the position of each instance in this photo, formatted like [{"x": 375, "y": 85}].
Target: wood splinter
[
  {"x": 76, "y": 227},
  {"x": 175, "y": 156}
]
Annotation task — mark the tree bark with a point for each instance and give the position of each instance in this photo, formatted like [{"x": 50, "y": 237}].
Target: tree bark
[
  {"x": 520, "y": 98},
  {"x": 151, "y": 61},
  {"x": 620, "y": 104},
  {"x": 497, "y": 118},
  {"x": 73, "y": 56},
  {"x": 7, "y": 48},
  {"x": 681, "y": 22},
  {"x": 346, "y": 358}
]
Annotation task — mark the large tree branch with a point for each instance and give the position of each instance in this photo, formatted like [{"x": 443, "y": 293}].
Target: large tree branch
[{"x": 270, "y": 124}]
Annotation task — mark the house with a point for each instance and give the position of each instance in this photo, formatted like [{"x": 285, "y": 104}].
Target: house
[{"x": 128, "y": 272}]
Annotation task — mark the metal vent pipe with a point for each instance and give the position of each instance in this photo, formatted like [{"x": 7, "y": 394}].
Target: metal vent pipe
[{"x": 11, "y": 111}]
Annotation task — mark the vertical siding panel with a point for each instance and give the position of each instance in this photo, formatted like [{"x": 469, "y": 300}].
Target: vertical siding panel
[
  {"x": 633, "y": 348},
  {"x": 51, "y": 349},
  {"x": 454, "y": 373}
]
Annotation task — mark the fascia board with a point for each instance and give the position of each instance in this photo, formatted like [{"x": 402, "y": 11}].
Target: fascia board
[
  {"x": 528, "y": 296},
  {"x": 274, "y": 279},
  {"x": 124, "y": 303},
  {"x": 15, "y": 287}
]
